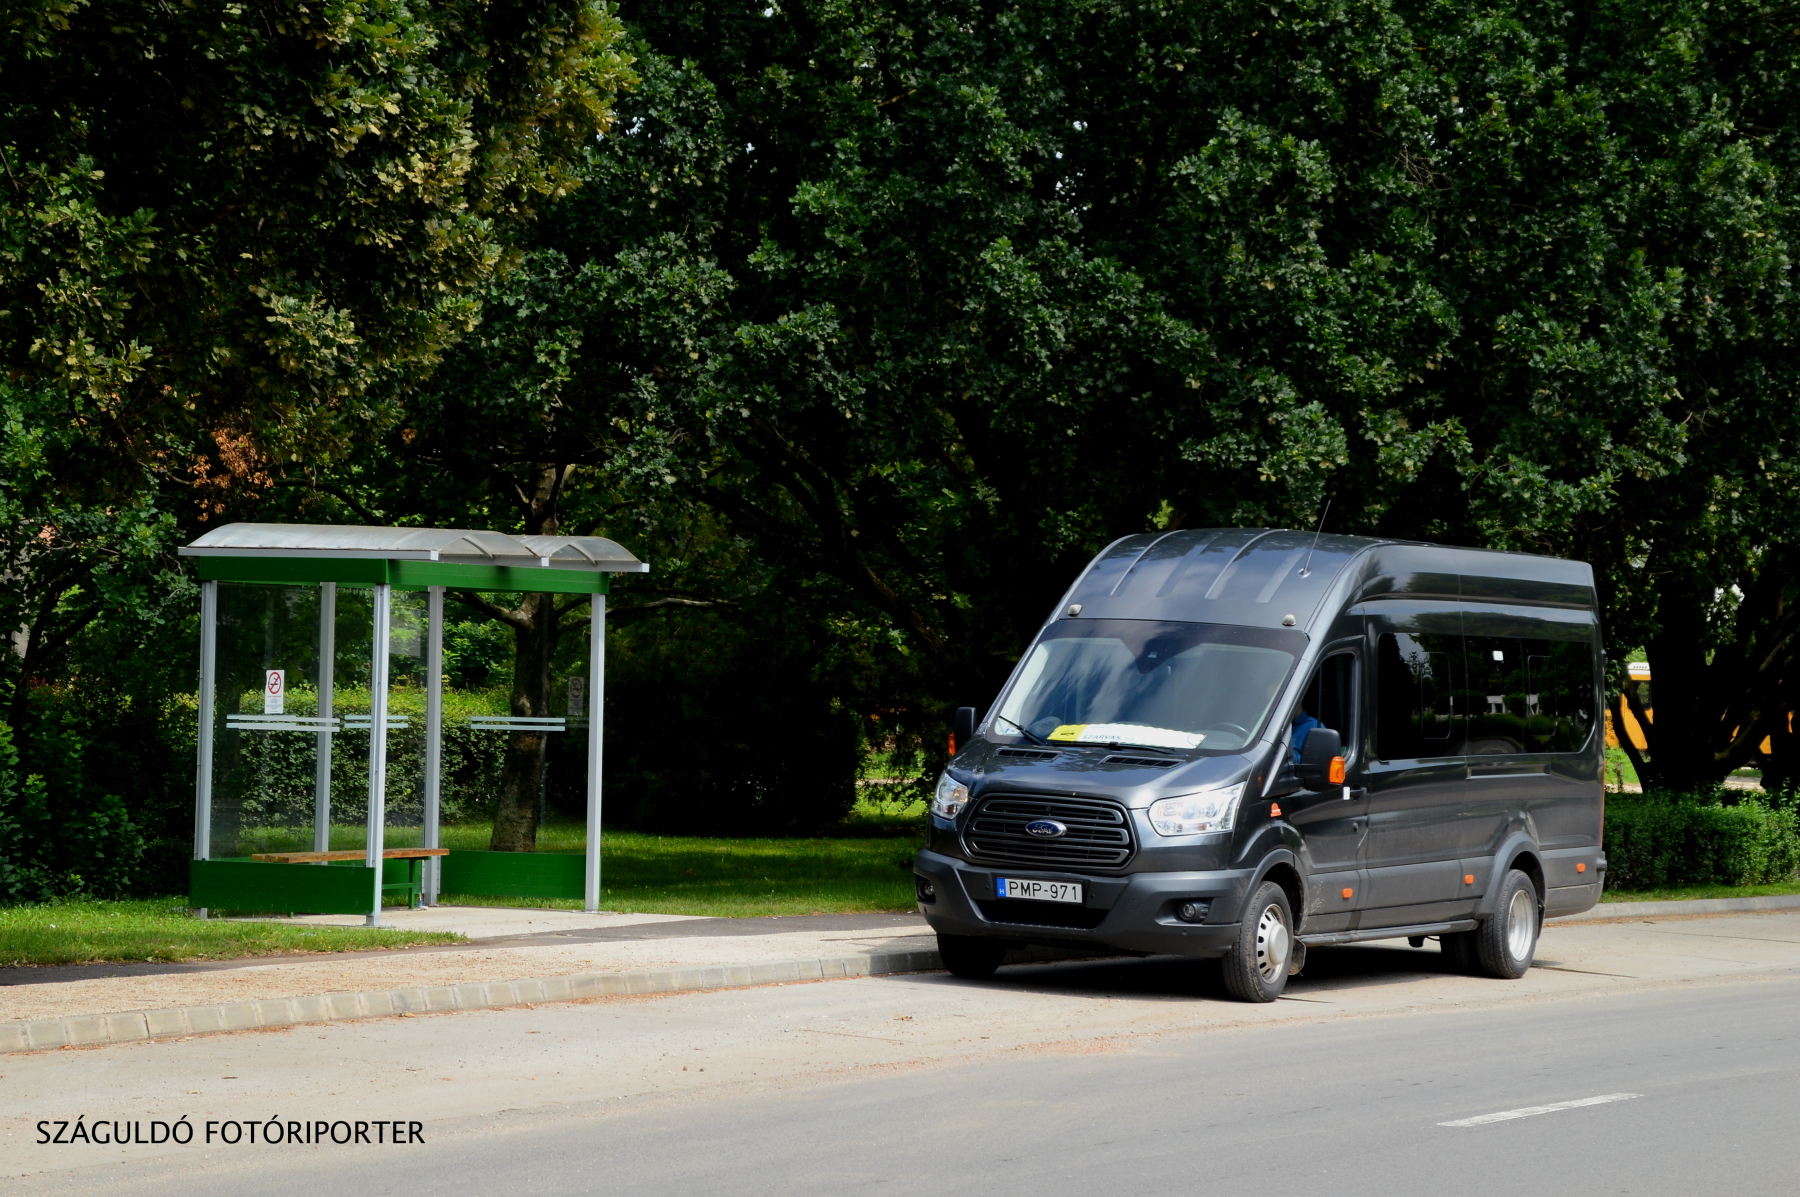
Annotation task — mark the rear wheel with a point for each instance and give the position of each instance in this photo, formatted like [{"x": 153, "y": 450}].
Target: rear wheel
[
  {"x": 1256, "y": 967},
  {"x": 971, "y": 956},
  {"x": 1505, "y": 944}
]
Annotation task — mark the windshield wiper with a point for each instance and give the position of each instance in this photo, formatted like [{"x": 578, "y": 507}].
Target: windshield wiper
[{"x": 1025, "y": 731}]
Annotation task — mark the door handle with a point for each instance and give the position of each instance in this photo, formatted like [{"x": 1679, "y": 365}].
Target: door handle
[{"x": 1358, "y": 792}]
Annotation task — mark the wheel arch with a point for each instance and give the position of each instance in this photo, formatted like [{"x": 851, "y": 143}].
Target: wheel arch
[
  {"x": 1519, "y": 853},
  {"x": 1283, "y": 870}
]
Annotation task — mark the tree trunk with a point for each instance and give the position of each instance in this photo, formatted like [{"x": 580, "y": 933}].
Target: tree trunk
[
  {"x": 1714, "y": 705},
  {"x": 1781, "y": 764},
  {"x": 522, "y": 775}
]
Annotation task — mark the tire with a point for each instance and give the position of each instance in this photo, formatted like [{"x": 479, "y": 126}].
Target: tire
[
  {"x": 1459, "y": 951},
  {"x": 1505, "y": 943},
  {"x": 971, "y": 956},
  {"x": 1256, "y": 967}
]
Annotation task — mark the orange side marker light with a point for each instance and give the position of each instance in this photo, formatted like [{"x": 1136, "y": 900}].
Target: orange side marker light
[
  {"x": 1274, "y": 809},
  {"x": 1581, "y": 868},
  {"x": 1349, "y": 892},
  {"x": 1336, "y": 775},
  {"x": 1468, "y": 879}
]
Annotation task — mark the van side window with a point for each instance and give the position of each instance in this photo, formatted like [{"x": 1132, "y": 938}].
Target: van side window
[
  {"x": 1528, "y": 695},
  {"x": 1331, "y": 696},
  {"x": 1418, "y": 713},
  {"x": 1499, "y": 695},
  {"x": 1559, "y": 695}
]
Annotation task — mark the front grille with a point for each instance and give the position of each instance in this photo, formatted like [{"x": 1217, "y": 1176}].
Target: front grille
[
  {"x": 1098, "y": 835},
  {"x": 1041, "y": 914}
]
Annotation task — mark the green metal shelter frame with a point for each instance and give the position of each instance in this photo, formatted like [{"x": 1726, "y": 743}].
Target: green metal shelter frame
[{"x": 433, "y": 560}]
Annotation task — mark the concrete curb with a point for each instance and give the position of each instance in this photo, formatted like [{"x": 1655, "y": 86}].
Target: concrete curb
[
  {"x": 1626, "y": 910},
  {"x": 91, "y": 1030}
]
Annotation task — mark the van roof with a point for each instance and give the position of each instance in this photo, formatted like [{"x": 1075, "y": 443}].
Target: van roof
[{"x": 1259, "y": 576}]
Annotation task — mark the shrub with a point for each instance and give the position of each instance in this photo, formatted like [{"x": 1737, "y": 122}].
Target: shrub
[
  {"x": 1659, "y": 841},
  {"x": 58, "y": 834}
]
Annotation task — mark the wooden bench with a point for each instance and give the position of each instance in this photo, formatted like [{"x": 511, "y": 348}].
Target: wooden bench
[{"x": 413, "y": 887}]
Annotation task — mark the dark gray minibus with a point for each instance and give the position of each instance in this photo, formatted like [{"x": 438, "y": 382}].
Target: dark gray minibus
[{"x": 1239, "y": 743}]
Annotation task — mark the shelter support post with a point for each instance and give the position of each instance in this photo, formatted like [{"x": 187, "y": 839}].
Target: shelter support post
[
  {"x": 596, "y": 701},
  {"x": 434, "y": 740},
  {"x": 378, "y": 718},
  {"x": 322, "y": 758},
  {"x": 209, "y": 653}
]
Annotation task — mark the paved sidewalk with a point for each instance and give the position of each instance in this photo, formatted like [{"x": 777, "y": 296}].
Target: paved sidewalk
[
  {"x": 541, "y": 947},
  {"x": 522, "y": 957}
]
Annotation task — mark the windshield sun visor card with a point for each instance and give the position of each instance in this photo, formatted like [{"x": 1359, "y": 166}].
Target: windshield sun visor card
[{"x": 1125, "y": 733}]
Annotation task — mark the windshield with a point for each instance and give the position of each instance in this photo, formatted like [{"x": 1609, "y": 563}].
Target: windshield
[{"x": 1150, "y": 683}]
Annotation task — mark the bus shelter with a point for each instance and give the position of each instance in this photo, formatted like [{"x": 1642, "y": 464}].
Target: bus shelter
[{"x": 321, "y": 766}]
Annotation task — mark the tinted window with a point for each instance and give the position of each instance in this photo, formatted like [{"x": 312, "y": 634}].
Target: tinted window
[
  {"x": 1559, "y": 694},
  {"x": 1418, "y": 679},
  {"x": 1498, "y": 695},
  {"x": 1442, "y": 695},
  {"x": 1331, "y": 696}
]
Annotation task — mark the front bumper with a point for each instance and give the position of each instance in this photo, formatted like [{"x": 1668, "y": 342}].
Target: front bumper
[{"x": 1130, "y": 913}]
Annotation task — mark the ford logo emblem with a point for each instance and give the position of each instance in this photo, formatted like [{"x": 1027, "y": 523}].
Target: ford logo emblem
[{"x": 1047, "y": 829}]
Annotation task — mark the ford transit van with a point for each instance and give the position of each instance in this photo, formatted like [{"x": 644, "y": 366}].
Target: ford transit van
[{"x": 1240, "y": 743}]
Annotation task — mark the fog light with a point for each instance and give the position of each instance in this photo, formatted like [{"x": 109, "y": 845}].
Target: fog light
[
  {"x": 927, "y": 892},
  {"x": 1193, "y": 912}
]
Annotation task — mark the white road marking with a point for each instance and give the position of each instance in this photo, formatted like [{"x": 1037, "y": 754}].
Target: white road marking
[{"x": 1528, "y": 1111}]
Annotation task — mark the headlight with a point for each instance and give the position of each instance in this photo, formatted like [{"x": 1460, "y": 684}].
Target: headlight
[
  {"x": 1191, "y": 814},
  {"x": 951, "y": 796}
]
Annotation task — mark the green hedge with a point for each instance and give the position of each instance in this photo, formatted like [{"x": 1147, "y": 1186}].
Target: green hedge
[{"x": 1658, "y": 841}]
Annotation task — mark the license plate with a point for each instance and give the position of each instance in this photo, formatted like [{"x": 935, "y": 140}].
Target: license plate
[{"x": 1038, "y": 891}]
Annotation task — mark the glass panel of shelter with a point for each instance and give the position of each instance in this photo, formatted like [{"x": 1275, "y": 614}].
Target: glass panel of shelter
[
  {"x": 509, "y": 697},
  {"x": 266, "y": 723},
  {"x": 291, "y": 744}
]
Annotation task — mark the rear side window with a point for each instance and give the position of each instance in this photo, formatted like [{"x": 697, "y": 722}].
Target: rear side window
[
  {"x": 1418, "y": 679},
  {"x": 1446, "y": 695},
  {"x": 1559, "y": 695}
]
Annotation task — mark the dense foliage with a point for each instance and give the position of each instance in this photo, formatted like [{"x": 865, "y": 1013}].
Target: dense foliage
[
  {"x": 248, "y": 221},
  {"x": 230, "y": 235},
  {"x": 1657, "y": 841},
  {"x": 869, "y": 323},
  {"x": 925, "y": 302}
]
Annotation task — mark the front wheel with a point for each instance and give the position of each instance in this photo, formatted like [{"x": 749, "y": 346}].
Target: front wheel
[
  {"x": 1256, "y": 967},
  {"x": 971, "y": 956},
  {"x": 1505, "y": 944}
]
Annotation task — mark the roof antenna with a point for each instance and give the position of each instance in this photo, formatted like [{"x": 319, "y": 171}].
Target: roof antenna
[{"x": 1306, "y": 570}]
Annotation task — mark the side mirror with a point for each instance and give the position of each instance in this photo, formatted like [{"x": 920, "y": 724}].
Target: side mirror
[
  {"x": 1321, "y": 760},
  {"x": 962, "y": 729}
]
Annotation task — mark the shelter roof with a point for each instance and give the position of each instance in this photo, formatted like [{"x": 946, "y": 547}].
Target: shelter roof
[{"x": 459, "y": 545}]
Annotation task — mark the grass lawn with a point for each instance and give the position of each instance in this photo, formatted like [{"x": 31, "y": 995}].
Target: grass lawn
[
  {"x": 651, "y": 874},
  {"x": 80, "y": 931},
  {"x": 1619, "y": 769},
  {"x": 1702, "y": 891}
]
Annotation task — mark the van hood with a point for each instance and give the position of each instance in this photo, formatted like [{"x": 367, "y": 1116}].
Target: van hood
[{"x": 1132, "y": 777}]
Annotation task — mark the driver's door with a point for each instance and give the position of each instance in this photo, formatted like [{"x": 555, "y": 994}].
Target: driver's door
[{"x": 1333, "y": 823}]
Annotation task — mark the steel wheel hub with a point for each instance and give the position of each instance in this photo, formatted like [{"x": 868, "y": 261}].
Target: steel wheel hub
[
  {"x": 1273, "y": 942},
  {"x": 1521, "y": 925}
]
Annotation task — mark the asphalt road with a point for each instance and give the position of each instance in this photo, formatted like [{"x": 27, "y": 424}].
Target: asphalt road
[{"x": 1068, "y": 1079}]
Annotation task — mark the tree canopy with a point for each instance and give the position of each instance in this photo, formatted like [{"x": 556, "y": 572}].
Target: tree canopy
[
  {"x": 928, "y": 301},
  {"x": 869, "y": 323}
]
